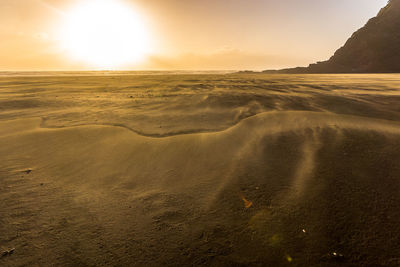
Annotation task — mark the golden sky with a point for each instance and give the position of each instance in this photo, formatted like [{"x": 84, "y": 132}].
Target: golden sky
[{"x": 188, "y": 34}]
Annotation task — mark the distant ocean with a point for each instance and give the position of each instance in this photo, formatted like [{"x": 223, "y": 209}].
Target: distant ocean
[{"x": 103, "y": 73}]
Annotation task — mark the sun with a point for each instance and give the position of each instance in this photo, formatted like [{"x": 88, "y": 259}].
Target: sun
[{"x": 105, "y": 34}]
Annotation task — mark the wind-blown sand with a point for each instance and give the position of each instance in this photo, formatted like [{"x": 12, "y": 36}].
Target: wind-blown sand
[{"x": 200, "y": 169}]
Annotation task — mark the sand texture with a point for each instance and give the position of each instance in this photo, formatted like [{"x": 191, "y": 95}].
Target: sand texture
[{"x": 216, "y": 170}]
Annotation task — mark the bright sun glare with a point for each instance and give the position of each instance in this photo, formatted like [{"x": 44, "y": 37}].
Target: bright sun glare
[{"x": 105, "y": 33}]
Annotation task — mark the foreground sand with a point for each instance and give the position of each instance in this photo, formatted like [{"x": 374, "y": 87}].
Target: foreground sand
[{"x": 200, "y": 169}]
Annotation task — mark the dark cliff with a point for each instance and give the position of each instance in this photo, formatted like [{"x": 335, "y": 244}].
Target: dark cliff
[{"x": 375, "y": 48}]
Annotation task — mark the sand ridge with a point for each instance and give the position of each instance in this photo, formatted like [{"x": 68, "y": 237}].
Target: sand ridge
[{"x": 292, "y": 118}]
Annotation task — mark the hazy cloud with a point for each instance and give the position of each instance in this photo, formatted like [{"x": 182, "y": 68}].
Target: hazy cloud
[{"x": 226, "y": 58}]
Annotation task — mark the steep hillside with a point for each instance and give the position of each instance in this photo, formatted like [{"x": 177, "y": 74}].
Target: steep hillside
[{"x": 375, "y": 48}]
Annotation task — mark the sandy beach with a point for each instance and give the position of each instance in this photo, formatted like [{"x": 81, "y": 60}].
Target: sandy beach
[{"x": 200, "y": 169}]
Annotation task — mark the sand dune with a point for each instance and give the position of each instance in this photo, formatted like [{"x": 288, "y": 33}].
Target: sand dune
[{"x": 200, "y": 169}]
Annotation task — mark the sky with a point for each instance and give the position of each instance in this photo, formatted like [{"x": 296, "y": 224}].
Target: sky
[{"x": 190, "y": 34}]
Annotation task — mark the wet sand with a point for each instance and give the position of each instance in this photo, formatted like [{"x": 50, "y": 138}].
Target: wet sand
[{"x": 220, "y": 170}]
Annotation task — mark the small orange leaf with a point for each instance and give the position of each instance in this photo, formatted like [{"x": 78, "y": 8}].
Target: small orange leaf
[{"x": 247, "y": 203}]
